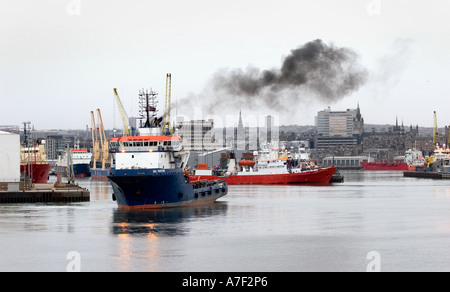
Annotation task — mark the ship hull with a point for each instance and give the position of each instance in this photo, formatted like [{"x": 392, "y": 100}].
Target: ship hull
[
  {"x": 388, "y": 166},
  {"x": 79, "y": 170},
  {"x": 39, "y": 172},
  {"x": 161, "y": 188},
  {"x": 319, "y": 176},
  {"x": 101, "y": 174}
]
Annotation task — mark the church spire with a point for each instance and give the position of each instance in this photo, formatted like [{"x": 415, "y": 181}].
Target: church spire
[{"x": 240, "y": 124}]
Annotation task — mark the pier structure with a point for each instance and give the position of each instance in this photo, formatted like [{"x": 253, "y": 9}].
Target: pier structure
[{"x": 42, "y": 193}]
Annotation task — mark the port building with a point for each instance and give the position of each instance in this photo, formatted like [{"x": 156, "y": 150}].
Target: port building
[
  {"x": 197, "y": 135},
  {"x": 9, "y": 157},
  {"x": 345, "y": 162}
]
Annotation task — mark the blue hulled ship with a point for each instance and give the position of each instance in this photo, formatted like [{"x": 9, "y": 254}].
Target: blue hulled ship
[
  {"x": 76, "y": 162},
  {"x": 147, "y": 169}
]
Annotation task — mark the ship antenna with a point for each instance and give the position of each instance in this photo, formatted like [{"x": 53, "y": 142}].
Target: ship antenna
[{"x": 147, "y": 104}]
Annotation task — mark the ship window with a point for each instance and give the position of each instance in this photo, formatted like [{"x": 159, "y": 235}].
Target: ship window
[{"x": 146, "y": 143}]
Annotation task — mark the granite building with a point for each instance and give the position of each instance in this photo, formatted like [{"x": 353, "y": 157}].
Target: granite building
[{"x": 339, "y": 128}]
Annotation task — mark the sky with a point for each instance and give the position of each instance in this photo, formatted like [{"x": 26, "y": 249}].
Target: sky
[{"x": 61, "y": 59}]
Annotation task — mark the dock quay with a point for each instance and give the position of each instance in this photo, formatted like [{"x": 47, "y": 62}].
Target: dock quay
[
  {"x": 43, "y": 193},
  {"x": 337, "y": 177},
  {"x": 424, "y": 174}
]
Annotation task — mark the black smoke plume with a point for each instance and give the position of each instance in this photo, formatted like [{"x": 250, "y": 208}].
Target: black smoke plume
[{"x": 314, "y": 70}]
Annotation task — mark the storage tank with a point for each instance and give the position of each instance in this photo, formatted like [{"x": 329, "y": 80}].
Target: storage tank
[{"x": 9, "y": 157}]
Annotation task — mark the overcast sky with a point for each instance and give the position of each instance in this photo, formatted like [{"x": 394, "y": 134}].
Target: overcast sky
[{"x": 60, "y": 59}]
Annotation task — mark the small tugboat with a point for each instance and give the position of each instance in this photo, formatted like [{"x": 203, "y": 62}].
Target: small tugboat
[{"x": 147, "y": 170}]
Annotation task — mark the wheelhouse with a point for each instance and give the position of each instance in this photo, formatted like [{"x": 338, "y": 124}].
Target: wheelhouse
[{"x": 145, "y": 144}]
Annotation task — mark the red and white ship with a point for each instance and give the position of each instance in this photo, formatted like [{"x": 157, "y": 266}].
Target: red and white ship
[
  {"x": 34, "y": 164},
  {"x": 264, "y": 171},
  {"x": 413, "y": 159}
]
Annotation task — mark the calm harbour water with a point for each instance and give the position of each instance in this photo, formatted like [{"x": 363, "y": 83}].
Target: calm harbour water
[{"x": 405, "y": 222}]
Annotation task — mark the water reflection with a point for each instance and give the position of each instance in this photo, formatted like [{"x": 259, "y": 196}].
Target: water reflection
[{"x": 164, "y": 222}]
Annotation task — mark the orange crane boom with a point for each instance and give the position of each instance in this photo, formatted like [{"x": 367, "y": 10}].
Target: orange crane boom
[{"x": 95, "y": 142}]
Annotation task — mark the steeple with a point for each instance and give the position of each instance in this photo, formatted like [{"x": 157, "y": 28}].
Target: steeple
[
  {"x": 358, "y": 113},
  {"x": 240, "y": 134},
  {"x": 240, "y": 124}
]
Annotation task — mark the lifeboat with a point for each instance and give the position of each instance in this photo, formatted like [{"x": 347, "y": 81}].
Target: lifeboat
[{"x": 246, "y": 162}]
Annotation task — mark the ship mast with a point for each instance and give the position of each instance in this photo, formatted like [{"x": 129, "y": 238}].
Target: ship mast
[{"x": 147, "y": 108}]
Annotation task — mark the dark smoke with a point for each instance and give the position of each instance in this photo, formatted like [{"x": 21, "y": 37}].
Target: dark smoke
[{"x": 312, "y": 70}]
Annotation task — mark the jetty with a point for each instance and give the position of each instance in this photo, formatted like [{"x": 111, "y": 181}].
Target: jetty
[
  {"x": 42, "y": 193},
  {"x": 427, "y": 174}
]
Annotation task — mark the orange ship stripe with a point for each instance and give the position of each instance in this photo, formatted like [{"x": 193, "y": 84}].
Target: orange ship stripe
[{"x": 145, "y": 138}]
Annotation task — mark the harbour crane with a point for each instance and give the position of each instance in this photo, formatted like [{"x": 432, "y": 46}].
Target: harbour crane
[
  {"x": 95, "y": 141},
  {"x": 104, "y": 153},
  {"x": 448, "y": 139},
  {"x": 166, "y": 126},
  {"x": 435, "y": 131},
  {"x": 123, "y": 114}
]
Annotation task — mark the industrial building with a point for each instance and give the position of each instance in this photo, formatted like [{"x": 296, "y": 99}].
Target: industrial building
[
  {"x": 197, "y": 135},
  {"x": 345, "y": 162},
  {"x": 339, "y": 128},
  {"x": 9, "y": 157}
]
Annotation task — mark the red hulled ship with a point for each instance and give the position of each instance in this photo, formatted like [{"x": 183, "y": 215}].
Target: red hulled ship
[
  {"x": 265, "y": 171},
  {"x": 34, "y": 164},
  {"x": 413, "y": 159}
]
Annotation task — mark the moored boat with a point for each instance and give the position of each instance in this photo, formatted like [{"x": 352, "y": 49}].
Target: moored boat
[
  {"x": 80, "y": 159},
  {"x": 413, "y": 159},
  {"x": 384, "y": 166},
  {"x": 34, "y": 163},
  {"x": 266, "y": 171}
]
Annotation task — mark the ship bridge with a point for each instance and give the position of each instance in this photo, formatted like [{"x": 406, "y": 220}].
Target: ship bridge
[
  {"x": 146, "y": 152},
  {"x": 145, "y": 144}
]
